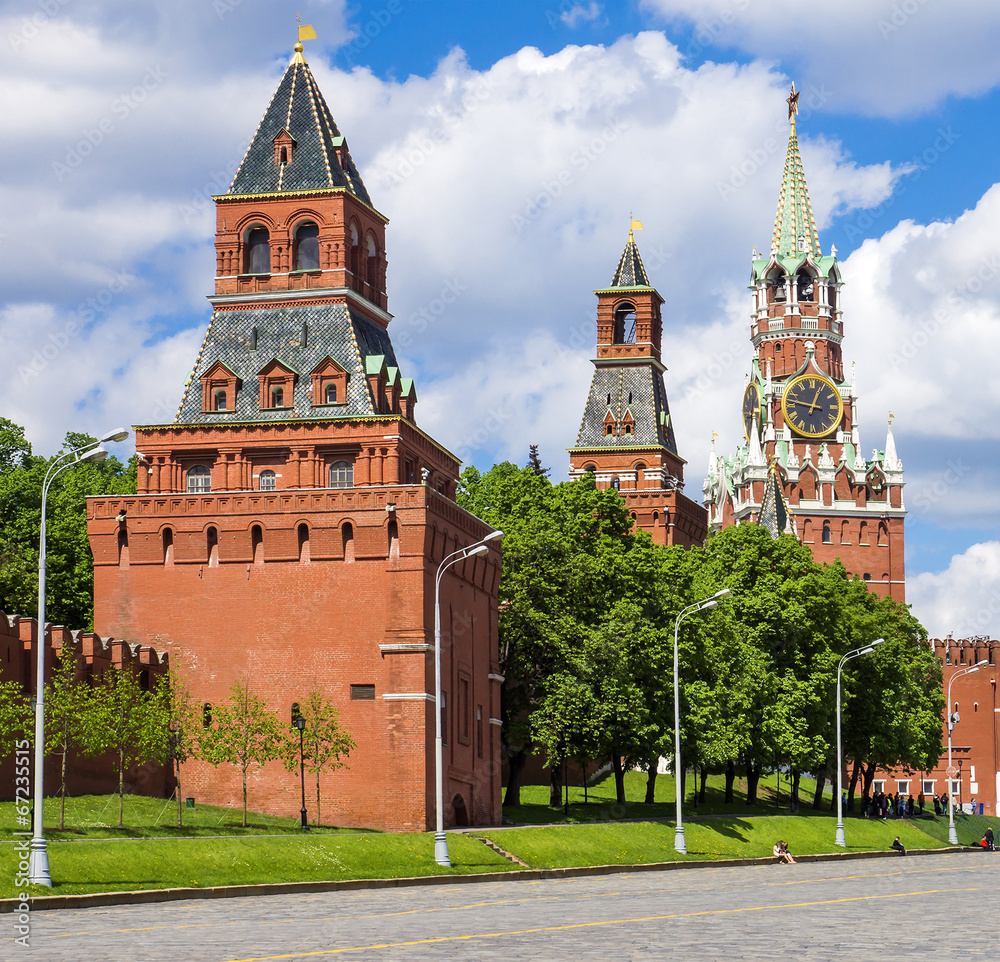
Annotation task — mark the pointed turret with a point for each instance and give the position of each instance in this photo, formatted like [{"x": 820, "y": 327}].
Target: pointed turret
[
  {"x": 630, "y": 272},
  {"x": 794, "y": 224}
]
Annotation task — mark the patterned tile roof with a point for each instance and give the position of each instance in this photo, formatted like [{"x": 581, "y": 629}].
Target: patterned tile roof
[
  {"x": 246, "y": 341},
  {"x": 637, "y": 389},
  {"x": 630, "y": 272},
  {"x": 299, "y": 108},
  {"x": 794, "y": 221}
]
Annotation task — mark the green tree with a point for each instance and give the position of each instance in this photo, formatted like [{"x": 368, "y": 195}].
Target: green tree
[
  {"x": 131, "y": 723},
  {"x": 16, "y": 717},
  {"x": 325, "y": 740},
  {"x": 243, "y": 732},
  {"x": 183, "y": 723}
]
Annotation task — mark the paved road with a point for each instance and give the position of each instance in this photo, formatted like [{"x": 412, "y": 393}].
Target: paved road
[{"x": 940, "y": 906}]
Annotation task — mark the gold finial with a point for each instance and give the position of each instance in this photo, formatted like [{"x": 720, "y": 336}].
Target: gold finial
[
  {"x": 306, "y": 32},
  {"x": 891, "y": 417},
  {"x": 793, "y": 104},
  {"x": 714, "y": 436},
  {"x": 633, "y": 224}
]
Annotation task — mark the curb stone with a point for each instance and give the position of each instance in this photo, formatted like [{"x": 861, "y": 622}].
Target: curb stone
[{"x": 150, "y": 896}]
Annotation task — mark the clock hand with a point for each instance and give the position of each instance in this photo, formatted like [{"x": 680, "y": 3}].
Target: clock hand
[{"x": 814, "y": 405}]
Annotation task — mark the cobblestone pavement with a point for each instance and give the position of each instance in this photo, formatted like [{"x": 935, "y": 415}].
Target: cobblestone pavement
[{"x": 945, "y": 906}]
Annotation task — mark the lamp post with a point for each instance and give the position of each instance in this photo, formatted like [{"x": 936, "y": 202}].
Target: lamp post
[
  {"x": 703, "y": 605},
  {"x": 952, "y": 721},
  {"x": 299, "y": 721},
  {"x": 38, "y": 862},
  {"x": 856, "y": 653},
  {"x": 440, "y": 839}
]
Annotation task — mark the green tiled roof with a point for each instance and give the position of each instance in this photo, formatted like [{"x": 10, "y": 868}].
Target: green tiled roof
[
  {"x": 794, "y": 221},
  {"x": 298, "y": 107}
]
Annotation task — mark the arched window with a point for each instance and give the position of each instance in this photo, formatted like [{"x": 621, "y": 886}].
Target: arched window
[
  {"x": 883, "y": 535},
  {"x": 123, "y": 547},
  {"x": 347, "y": 535},
  {"x": 277, "y": 397},
  {"x": 845, "y": 532},
  {"x": 615, "y": 483},
  {"x": 304, "y": 543},
  {"x": 199, "y": 479},
  {"x": 624, "y": 332},
  {"x": 330, "y": 394},
  {"x": 355, "y": 255},
  {"x": 372, "y": 266},
  {"x": 212, "y": 541},
  {"x": 220, "y": 400},
  {"x": 806, "y": 288},
  {"x": 827, "y": 537},
  {"x": 168, "y": 547},
  {"x": 640, "y": 475},
  {"x": 776, "y": 287},
  {"x": 267, "y": 481},
  {"x": 863, "y": 534},
  {"x": 590, "y": 468},
  {"x": 393, "y": 533},
  {"x": 258, "y": 259},
  {"x": 257, "y": 544},
  {"x": 341, "y": 474},
  {"x": 307, "y": 247},
  {"x": 609, "y": 429}
]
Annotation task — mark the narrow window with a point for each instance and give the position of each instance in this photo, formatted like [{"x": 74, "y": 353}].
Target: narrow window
[
  {"x": 206, "y": 715},
  {"x": 805, "y": 285},
  {"x": 212, "y": 540},
  {"x": 122, "y": 546},
  {"x": 277, "y": 397},
  {"x": 615, "y": 483},
  {"x": 220, "y": 400},
  {"x": 283, "y": 155},
  {"x": 372, "y": 262},
  {"x": 199, "y": 479},
  {"x": 168, "y": 547},
  {"x": 628, "y": 428},
  {"x": 883, "y": 536},
  {"x": 257, "y": 544},
  {"x": 479, "y": 730},
  {"x": 463, "y": 709},
  {"x": 347, "y": 534},
  {"x": 341, "y": 474},
  {"x": 304, "y": 543},
  {"x": 259, "y": 251},
  {"x": 827, "y": 537},
  {"x": 393, "y": 540},
  {"x": 355, "y": 255},
  {"x": 267, "y": 481},
  {"x": 330, "y": 394},
  {"x": 624, "y": 332},
  {"x": 362, "y": 693},
  {"x": 307, "y": 248}
]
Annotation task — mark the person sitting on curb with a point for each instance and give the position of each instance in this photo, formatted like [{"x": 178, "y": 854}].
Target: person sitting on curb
[
  {"x": 898, "y": 846},
  {"x": 782, "y": 854},
  {"x": 988, "y": 840}
]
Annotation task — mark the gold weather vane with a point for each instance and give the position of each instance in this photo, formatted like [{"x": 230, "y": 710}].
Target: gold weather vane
[
  {"x": 793, "y": 104},
  {"x": 633, "y": 224},
  {"x": 891, "y": 417},
  {"x": 306, "y": 32}
]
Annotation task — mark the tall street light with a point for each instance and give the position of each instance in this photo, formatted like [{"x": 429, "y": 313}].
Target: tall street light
[
  {"x": 299, "y": 721},
  {"x": 952, "y": 720},
  {"x": 38, "y": 862},
  {"x": 440, "y": 839},
  {"x": 856, "y": 653},
  {"x": 703, "y": 605}
]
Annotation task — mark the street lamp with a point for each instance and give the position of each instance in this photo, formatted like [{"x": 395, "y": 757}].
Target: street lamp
[
  {"x": 703, "y": 605},
  {"x": 38, "y": 861},
  {"x": 952, "y": 720},
  {"x": 299, "y": 721},
  {"x": 480, "y": 547},
  {"x": 856, "y": 653}
]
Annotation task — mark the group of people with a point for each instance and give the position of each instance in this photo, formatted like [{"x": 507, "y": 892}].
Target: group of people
[
  {"x": 782, "y": 854},
  {"x": 884, "y": 806}
]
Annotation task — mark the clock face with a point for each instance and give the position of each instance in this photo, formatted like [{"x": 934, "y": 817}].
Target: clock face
[
  {"x": 812, "y": 406},
  {"x": 751, "y": 408}
]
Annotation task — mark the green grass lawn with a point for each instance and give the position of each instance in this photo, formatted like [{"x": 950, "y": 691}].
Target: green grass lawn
[
  {"x": 635, "y": 843},
  {"x": 96, "y": 816},
  {"x": 602, "y": 804}
]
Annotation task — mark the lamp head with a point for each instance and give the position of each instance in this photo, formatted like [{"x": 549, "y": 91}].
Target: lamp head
[
  {"x": 725, "y": 593},
  {"x": 985, "y": 661},
  {"x": 493, "y": 535},
  {"x": 119, "y": 434},
  {"x": 300, "y": 722},
  {"x": 878, "y": 641},
  {"x": 479, "y": 549},
  {"x": 867, "y": 651},
  {"x": 94, "y": 454},
  {"x": 711, "y": 603}
]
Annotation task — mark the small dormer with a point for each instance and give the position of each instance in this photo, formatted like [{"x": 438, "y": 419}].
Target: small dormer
[
  {"x": 218, "y": 389},
  {"x": 375, "y": 371},
  {"x": 284, "y": 145},
  {"x": 329, "y": 384},
  {"x": 628, "y": 424},
  {"x": 407, "y": 398},
  {"x": 277, "y": 386},
  {"x": 610, "y": 425},
  {"x": 392, "y": 390}
]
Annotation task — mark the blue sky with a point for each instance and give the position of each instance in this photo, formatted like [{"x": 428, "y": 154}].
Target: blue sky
[{"x": 507, "y": 143}]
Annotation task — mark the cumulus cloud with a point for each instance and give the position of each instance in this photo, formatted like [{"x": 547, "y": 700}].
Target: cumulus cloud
[
  {"x": 929, "y": 50},
  {"x": 964, "y": 598}
]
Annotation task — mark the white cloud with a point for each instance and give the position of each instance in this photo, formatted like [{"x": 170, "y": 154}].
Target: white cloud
[
  {"x": 964, "y": 598},
  {"x": 880, "y": 57},
  {"x": 580, "y": 13}
]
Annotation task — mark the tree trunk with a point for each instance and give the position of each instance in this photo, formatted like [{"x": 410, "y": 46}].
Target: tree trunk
[
  {"x": 704, "y": 780},
  {"x": 62, "y": 790},
  {"x": 555, "y": 787},
  {"x": 753, "y": 779},
  {"x": 730, "y": 779},
  {"x": 855, "y": 775},
  {"x": 651, "y": 784},
  {"x": 869, "y": 777},
  {"x": 793, "y": 801},
  {"x": 616, "y": 763},
  {"x": 180, "y": 807},
  {"x": 818, "y": 797},
  {"x": 244, "y": 796},
  {"x": 317, "y": 798},
  {"x": 514, "y": 768},
  {"x": 121, "y": 786}
]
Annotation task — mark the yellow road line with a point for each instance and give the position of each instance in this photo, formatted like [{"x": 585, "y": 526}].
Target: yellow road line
[{"x": 587, "y": 925}]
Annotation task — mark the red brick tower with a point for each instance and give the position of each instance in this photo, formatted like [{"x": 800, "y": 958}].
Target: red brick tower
[
  {"x": 626, "y": 437},
  {"x": 800, "y": 411},
  {"x": 291, "y": 519}
]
